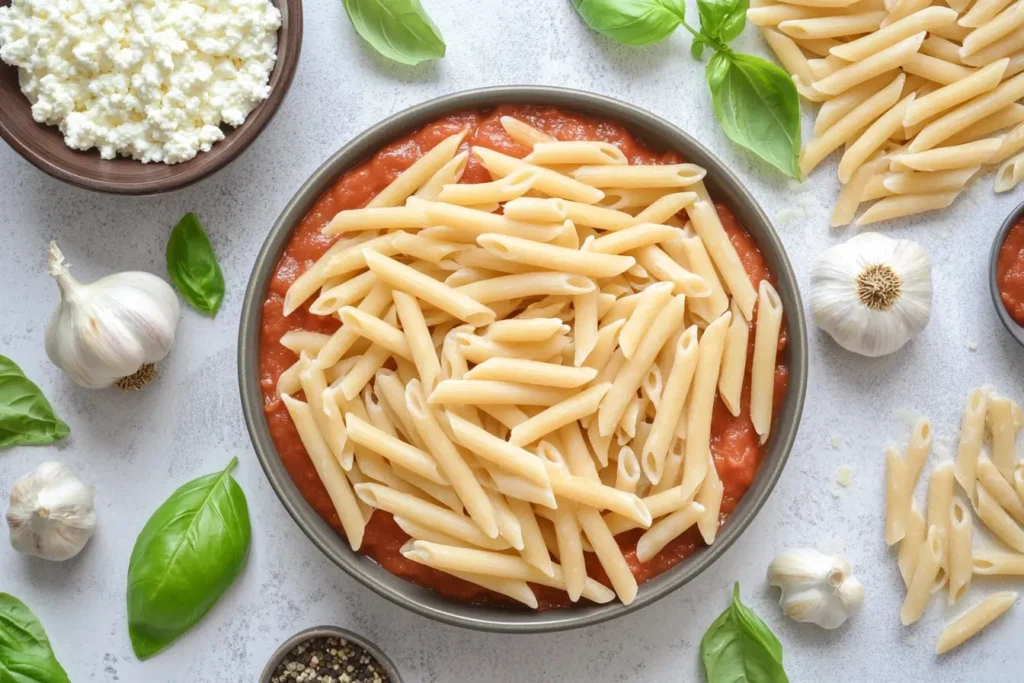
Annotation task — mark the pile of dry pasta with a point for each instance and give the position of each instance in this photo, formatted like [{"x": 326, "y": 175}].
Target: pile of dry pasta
[
  {"x": 557, "y": 360},
  {"x": 936, "y": 548},
  {"x": 920, "y": 95}
]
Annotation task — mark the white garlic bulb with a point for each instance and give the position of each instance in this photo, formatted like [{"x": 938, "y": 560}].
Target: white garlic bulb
[
  {"x": 108, "y": 330},
  {"x": 816, "y": 588},
  {"x": 51, "y": 513},
  {"x": 873, "y": 293}
]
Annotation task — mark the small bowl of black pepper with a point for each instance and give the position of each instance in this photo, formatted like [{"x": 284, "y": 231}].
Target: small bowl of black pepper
[{"x": 327, "y": 654}]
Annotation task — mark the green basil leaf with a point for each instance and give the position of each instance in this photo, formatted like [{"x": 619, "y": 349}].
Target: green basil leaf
[
  {"x": 633, "y": 22},
  {"x": 398, "y": 29},
  {"x": 193, "y": 266},
  {"x": 723, "y": 19},
  {"x": 26, "y": 418},
  {"x": 189, "y": 553},
  {"x": 25, "y": 652},
  {"x": 757, "y": 106},
  {"x": 739, "y": 648}
]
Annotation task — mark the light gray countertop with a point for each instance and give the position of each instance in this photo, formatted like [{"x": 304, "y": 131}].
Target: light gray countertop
[{"x": 137, "y": 448}]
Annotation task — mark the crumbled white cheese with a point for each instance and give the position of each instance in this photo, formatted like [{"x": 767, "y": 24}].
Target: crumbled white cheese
[
  {"x": 149, "y": 79},
  {"x": 972, "y": 346},
  {"x": 844, "y": 475},
  {"x": 836, "y": 441}
]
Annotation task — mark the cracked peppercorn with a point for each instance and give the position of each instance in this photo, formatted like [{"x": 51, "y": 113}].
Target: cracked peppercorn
[{"x": 329, "y": 659}]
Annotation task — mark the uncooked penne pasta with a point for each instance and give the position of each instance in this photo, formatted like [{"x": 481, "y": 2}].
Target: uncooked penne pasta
[
  {"x": 641, "y": 176},
  {"x": 792, "y": 58},
  {"x": 412, "y": 178},
  {"x": 992, "y": 30},
  {"x": 1001, "y": 489},
  {"x": 762, "y": 374},
  {"x": 524, "y": 133},
  {"x": 971, "y": 622},
  {"x": 956, "y": 120},
  {"x": 961, "y": 534},
  {"x": 906, "y": 205},
  {"x": 667, "y": 529},
  {"x": 670, "y": 408},
  {"x": 928, "y": 563},
  {"x": 701, "y": 401},
  {"x": 897, "y": 497},
  {"x": 940, "y": 501},
  {"x": 576, "y": 152},
  {"x": 910, "y": 545},
  {"x": 839, "y": 26},
  {"x": 926, "y": 19},
  {"x": 1004, "y": 421},
  {"x": 872, "y": 139},
  {"x": 878, "y": 63},
  {"x": 996, "y": 519},
  {"x": 547, "y": 181},
  {"x": 708, "y": 226}
]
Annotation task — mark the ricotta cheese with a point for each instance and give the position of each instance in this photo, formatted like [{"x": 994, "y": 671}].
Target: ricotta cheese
[{"x": 149, "y": 79}]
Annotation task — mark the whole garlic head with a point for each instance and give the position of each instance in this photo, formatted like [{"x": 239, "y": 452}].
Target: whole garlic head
[
  {"x": 51, "y": 513},
  {"x": 816, "y": 588},
  {"x": 108, "y": 330},
  {"x": 872, "y": 293}
]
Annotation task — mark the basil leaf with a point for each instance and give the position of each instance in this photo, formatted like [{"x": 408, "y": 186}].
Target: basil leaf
[
  {"x": 193, "y": 266},
  {"x": 26, "y": 418},
  {"x": 739, "y": 648},
  {"x": 697, "y": 46},
  {"x": 25, "y": 652},
  {"x": 189, "y": 553},
  {"x": 632, "y": 22},
  {"x": 757, "y": 106},
  {"x": 723, "y": 20},
  {"x": 398, "y": 29}
]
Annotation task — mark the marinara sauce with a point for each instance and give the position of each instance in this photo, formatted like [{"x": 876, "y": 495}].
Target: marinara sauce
[
  {"x": 1010, "y": 272},
  {"x": 734, "y": 443}
]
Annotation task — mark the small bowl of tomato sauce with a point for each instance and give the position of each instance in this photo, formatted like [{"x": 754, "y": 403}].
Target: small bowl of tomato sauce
[{"x": 1006, "y": 279}]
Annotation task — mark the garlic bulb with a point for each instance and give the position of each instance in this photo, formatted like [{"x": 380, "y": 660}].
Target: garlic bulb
[
  {"x": 51, "y": 513},
  {"x": 111, "y": 329},
  {"x": 873, "y": 294},
  {"x": 816, "y": 587}
]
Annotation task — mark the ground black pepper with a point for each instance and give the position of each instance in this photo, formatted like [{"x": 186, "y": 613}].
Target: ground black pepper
[{"x": 329, "y": 659}]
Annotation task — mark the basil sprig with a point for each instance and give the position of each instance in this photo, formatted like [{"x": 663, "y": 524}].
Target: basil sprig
[
  {"x": 755, "y": 101},
  {"x": 26, "y": 418},
  {"x": 189, "y": 553},
  {"x": 739, "y": 648},
  {"x": 25, "y": 652},
  {"x": 193, "y": 266},
  {"x": 398, "y": 29}
]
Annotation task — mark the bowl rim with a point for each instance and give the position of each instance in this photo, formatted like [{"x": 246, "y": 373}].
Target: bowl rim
[
  {"x": 321, "y": 631},
  {"x": 1016, "y": 330},
  {"x": 407, "y": 594},
  {"x": 261, "y": 115}
]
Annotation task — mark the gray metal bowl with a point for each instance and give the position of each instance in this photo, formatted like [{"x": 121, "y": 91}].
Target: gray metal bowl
[
  {"x": 1015, "y": 330},
  {"x": 329, "y": 631},
  {"x": 660, "y": 134}
]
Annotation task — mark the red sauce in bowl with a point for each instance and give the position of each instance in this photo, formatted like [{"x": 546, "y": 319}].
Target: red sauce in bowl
[
  {"x": 734, "y": 443},
  {"x": 1010, "y": 272}
]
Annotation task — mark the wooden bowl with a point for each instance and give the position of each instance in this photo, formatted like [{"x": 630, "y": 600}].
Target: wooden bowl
[{"x": 44, "y": 147}]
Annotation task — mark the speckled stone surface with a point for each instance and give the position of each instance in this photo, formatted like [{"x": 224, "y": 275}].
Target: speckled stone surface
[{"x": 138, "y": 448}]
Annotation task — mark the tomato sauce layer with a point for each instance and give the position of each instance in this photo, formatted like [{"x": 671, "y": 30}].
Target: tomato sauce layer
[
  {"x": 1010, "y": 272},
  {"x": 734, "y": 443}
]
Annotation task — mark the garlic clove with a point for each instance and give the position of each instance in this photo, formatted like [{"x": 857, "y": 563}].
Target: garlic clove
[
  {"x": 111, "y": 328},
  {"x": 51, "y": 513},
  {"x": 816, "y": 588}
]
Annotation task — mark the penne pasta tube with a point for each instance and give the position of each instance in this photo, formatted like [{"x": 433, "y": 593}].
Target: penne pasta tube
[
  {"x": 531, "y": 372},
  {"x": 936, "y": 70},
  {"x": 952, "y": 122},
  {"x": 1009, "y": 174},
  {"x": 450, "y": 173},
  {"x": 940, "y": 48},
  {"x": 664, "y": 208},
  {"x": 412, "y": 178},
  {"x": 1004, "y": 421},
  {"x": 687, "y": 248},
  {"x": 981, "y": 81},
  {"x": 982, "y": 11},
  {"x": 961, "y": 533},
  {"x": 658, "y": 504},
  {"x": 623, "y": 198},
  {"x": 376, "y": 330},
  {"x": 449, "y": 460},
  {"x": 940, "y": 501},
  {"x": 701, "y": 401},
  {"x": 394, "y": 449},
  {"x": 997, "y": 563},
  {"x": 897, "y": 498},
  {"x": 609, "y": 554},
  {"x": 873, "y": 138},
  {"x": 918, "y": 182},
  {"x": 627, "y": 381},
  {"x": 475, "y": 222},
  {"x": 316, "y": 275},
  {"x": 706, "y": 223},
  {"x": 670, "y": 410},
  {"x": 734, "y": 362},
  {"x": 1001, "y": 490},
  {"x": 632, "y": 238},
  {"x": 996, "y": 519},
  {"x": 788, "y": 53},
  {"x": 547, "y": 181},
  {"x": 427, "y": 249},
  {"x": 1006, "y": 46},
  {"x": 329, "y": 471},
  {"x": 508, "y": 524},
  {"x": 905, "y": 205},
  {"x": 576, "y": 152},
  {"x": 775, "y": 14},
  {"x": 766, "y": 344},
  {"x": 488, "y": 392},
  {"x": 519, "y": 331},
  {"x": 910, "y": 545},
  {"x": 391, "y": 218},
  {"x": 627, "y": 471},
  {"x": 971, "y": 622},
  {"x": 514, "y": 185},
  {"x": 848, "y": 126},
  {"x": 418, "y": 339},
  {"x": 928, "y": 562},
  {"x": 661, "y": 266},
  {"x": 651, "y": 301},
  {"x": 1007, "y": 21},
  {"x": 477, "y": 349},
  {"x": 838, "y": 107},
  {"x": 850, "y": 196},
  {"x": 523, "y": 285},
  {"x": 837, "y": 4},
  {"x": 875, "y": 42},
  {"x": 553, "y": 257},
  {"x": 665, "y": 530},
  {"x": 347, "y": 293},
  {"x": 298, "y": 341},
  {"x": 639, "y": 176},
  {"x": 534, "y": 550},
  {"x": 410, "y": 281},
  {"x": 566, "y": 412},
  {"x": 869, "y": 67},
  {"x": 523, "y": 133},
  {"x": 816, "y": 28}
]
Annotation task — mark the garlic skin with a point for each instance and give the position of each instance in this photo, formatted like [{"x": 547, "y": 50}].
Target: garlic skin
[
  {"x": 816, "y": 588},
  {"x": 109, "y": 329},
  {"x": 51, "y": 513},
  {"x": 872, "y": 294}
]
